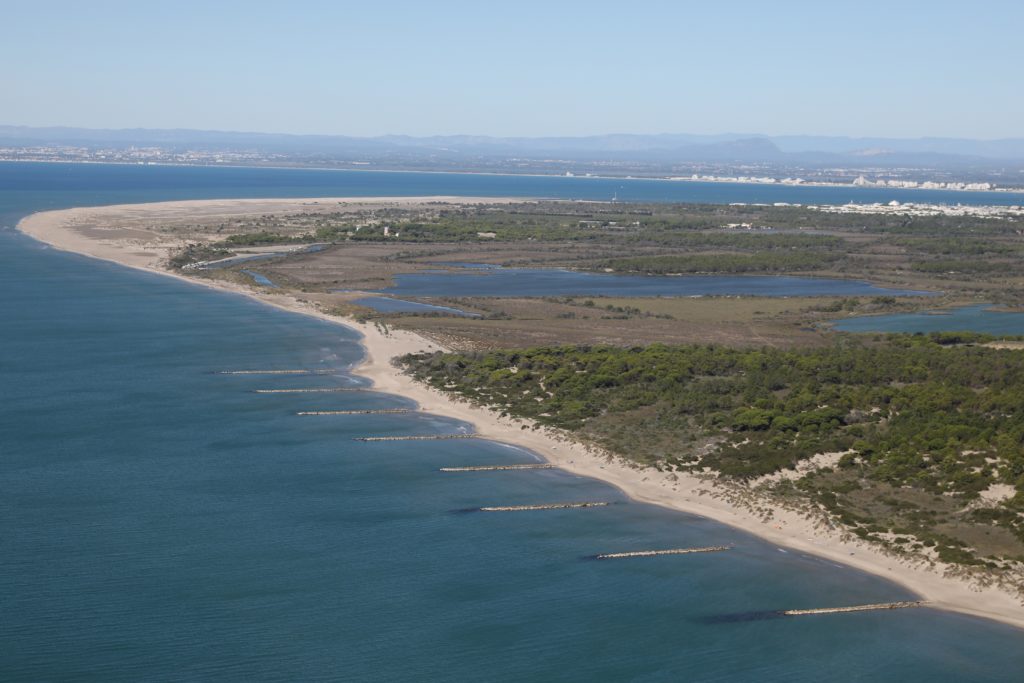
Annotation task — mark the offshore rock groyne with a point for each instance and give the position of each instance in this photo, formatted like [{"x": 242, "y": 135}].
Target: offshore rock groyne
[
  {"x": 498, "y": 468},
  {"x": 277, "y": 372},
  {"x": 671, "y": 551},
  {"x": 905, "y": 604},
  {"x": 385, "y": 411},
  {"x": 438, "y": 437},
  {"x": 547, "y": 506},
  {"x": 333, "y": 390}
]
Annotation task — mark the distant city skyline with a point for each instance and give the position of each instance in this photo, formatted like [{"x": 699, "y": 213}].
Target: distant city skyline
[{"x": 871, "y": 69}]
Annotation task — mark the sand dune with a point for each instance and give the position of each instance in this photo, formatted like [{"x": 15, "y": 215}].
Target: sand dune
[{"x": 123, "y": 234}]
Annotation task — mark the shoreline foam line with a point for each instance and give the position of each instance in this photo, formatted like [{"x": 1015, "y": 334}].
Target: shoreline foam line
[
  {"x": 671, "y": 551},
  {"x": 496, "y": 468},
  {"x": 547, "y": 506},
  {"x": 905, "y": 604}
]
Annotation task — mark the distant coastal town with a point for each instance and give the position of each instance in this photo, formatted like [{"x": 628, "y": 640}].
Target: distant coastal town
[
  {"x": 891, "y": 209},
  {"x": 914, "y": 209},
  {"x": 860, "y": 181},
  {"x": 409, "y": 159}
]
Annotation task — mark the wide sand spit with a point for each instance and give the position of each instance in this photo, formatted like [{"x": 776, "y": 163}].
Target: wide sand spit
[{"x": 142, "y": 235}]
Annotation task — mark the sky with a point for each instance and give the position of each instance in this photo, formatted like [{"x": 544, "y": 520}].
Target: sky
[{"x": 526, "y": 68}]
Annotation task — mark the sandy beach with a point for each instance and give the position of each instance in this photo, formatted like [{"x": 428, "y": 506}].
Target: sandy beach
[{"x": 123, "y": 234}]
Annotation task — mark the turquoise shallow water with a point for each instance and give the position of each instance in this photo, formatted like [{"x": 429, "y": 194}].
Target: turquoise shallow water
[
  {"x": 979, "y": 318},
  {"x": 160, "y": 522}
]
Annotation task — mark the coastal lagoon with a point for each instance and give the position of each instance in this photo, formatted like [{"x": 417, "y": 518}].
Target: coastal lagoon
[
  {"x": 506, "y": 282},
  {"x": 982, "y": 318},
  {"x": 163, "y": 521},
  {"x": 260, "y": 279}
]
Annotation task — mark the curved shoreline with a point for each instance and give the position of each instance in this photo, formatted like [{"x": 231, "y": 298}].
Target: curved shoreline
[
  {"x": 508, "y": 174},
  {"x": 684, "y": 493}
]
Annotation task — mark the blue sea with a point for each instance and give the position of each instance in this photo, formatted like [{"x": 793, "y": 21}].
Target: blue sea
[{"x": 160, "y": 521}]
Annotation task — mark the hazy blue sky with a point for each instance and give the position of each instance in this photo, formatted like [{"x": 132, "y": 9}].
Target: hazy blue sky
[{"x": 518, "y": 68}]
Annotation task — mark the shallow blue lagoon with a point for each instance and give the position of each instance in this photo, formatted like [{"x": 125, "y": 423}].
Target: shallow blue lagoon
[
  {"x": 980, "y": 318},
  {"x": 260, "y": 279},
  {"x": 162, "y": 521},
  {"x": 506, "y": 282}
]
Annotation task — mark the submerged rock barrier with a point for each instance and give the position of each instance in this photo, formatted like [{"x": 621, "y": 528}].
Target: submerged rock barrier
[
  {"x": 387, "y": 411},
  {"x": 496, "y": 468},
  {"x": 671, "y": 551},
  {"x": 906, "y": 604},
  {"x": 276, "y": 372},
  {"x": 438, "y": 437},
  {"x": 333, "y": 390},
  {"x": 547, "y": 506}
]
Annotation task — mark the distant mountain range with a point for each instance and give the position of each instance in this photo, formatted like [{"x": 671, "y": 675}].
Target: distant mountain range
[{"x": 808, "y": 150}]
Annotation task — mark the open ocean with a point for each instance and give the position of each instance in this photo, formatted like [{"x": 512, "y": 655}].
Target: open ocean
[{"x": 162, "y": 522}]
